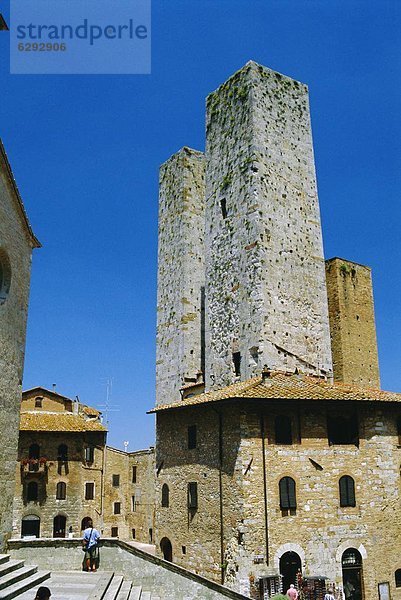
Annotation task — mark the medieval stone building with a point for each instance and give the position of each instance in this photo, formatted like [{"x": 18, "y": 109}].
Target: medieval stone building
[
  {"x": 271, "y": 468},
  {"x": 16, "y": 243},
  {"x": 66, "y": 474}
]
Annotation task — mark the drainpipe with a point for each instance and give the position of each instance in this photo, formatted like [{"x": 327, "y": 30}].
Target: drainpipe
[
  {"x": 221, "y": 493},
  {"x": 262, "y": 434}
]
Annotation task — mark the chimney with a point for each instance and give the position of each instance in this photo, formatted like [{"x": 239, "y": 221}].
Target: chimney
[{"x": 265, "y": 373}]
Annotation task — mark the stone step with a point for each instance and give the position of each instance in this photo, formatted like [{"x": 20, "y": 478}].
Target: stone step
[
  {"x": 135, "y": 594},
  {"x": 4, "y": 558},
  {"x": 16, "y": 575},
  {"x": 146, "y": 596},
  {"x": 125, "y": 590},
  {"x": 114, "y": 588},
  {"x": 25, "y": 584},
  {"x": 10, "y": 565}
]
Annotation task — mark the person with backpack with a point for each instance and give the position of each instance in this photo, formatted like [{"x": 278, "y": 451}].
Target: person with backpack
[{"x": 90, "y": 545}]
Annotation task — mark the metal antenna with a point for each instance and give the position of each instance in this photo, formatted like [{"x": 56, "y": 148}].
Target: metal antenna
[{"x": 107, "y": 407}]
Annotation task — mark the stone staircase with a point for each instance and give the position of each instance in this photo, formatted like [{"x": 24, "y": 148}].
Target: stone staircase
[
  {"x": 16, "y": 578},
  {"x": 121, "y": 589}
]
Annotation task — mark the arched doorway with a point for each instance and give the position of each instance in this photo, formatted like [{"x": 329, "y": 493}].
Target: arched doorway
[
  {"x": 167, "y": 549},
  {"x": 59, "y": 523},
  {"x": 30, "y": 526},
  {"x": 85, "y": 523},
  {"x": 351, "y": 563},
  {"x": 290, "y": 564}
]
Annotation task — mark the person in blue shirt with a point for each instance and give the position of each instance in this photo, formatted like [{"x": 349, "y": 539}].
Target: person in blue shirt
[{"x": 90, "y": 544}]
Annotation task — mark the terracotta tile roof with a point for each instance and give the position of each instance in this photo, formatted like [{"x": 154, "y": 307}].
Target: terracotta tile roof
[
  {"x": 88, "y": 410},
  {"x": 287, "y": 386},
  {"x": 46, "y": 421}
]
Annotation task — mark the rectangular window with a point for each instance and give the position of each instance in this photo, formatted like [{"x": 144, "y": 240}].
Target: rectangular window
[
  {"x": 150, "y": 535},
  {"x": 89, "y": 491},
  {"x": 116, "y": 480},
  {"x": 89, "y": 454},
  {"x": 117, "y": 508},
  {"x": 191, "y": 437},
  {"x": 38, "y": 402},
  {"x": 114, "y": 532},
  {"x": 133, "y": 504},
  {"x": 133, "y": 474},
  {"x": 133, "y": 534},
  {"x": 192, "y": 495},
  {"x": 343, "y": 429},
  {"x": 237, "y": 363}
]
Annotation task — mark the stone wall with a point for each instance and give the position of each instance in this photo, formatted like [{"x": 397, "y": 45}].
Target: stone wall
[
  {"x": 16, "y": 245},
  {"x": 135, "y": 492},
  {"x": 265, "y": 278},
  {"x": 319, "y": 530},
  {"x": 180, "y": 273},
  {"x": 352, "y": 323},
  {"x": 163, "y": 579}
]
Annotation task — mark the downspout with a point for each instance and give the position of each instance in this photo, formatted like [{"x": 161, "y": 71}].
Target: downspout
[
  {"x": 262, "y": 434},
  {"x": 221, "y": 494},
  {"x": 103, "y": 474}
]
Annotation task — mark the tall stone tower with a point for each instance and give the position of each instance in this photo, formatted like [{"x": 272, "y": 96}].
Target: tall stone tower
[
  {"x": 352, "y": 323},
  {"x": 181, "y": 274},
  {"x": 266, "y": 299},
  {"x": 16, "y": 243}
]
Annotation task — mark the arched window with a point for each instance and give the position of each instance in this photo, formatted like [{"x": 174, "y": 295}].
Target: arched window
[
  {"x": 287, "y": 493},
  {"x": 62, "y": 452},
  {"x": 347, "y": 491},
  {"x": 165, "y": 496},
  {"x": 397, "y": 576},
  {"x": 34, "y": 451},
  {"x": 61, "y": 490},
  {"x": 32, "y": 491},
  {"x": 282, "y": 429}
]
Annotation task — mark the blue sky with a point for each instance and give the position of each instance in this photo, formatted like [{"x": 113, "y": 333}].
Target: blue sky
[{"x": 85, "y": 151}]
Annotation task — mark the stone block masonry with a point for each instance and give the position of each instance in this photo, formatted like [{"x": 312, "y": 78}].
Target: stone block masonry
[
  {"x": 265, "y": 278},
  {"x": 181, "y": 276},
  {"x": 352, "y": 323}
]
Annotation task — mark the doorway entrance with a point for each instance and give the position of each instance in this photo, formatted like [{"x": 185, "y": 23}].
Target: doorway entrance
[
  {"x": 290, "y": 564},
  {"x": 167, "y": 549},
  {"x": 30, "y": 526},
  {"x": 59, "y": 522},
  {"x": 351, "y": 563}
]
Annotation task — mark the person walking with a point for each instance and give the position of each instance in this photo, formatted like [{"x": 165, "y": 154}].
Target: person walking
[
  {"x": 90, "y": 545},
  {"x": 43, "y": 593},
  {"x": 292, "y": 592}
]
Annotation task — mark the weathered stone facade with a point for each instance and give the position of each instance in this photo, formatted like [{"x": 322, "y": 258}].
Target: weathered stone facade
[
  {"x": 16, "y": 244},
  {"x": 238, "y": 530},
  {"x": 352, "y": 323},
  {"x": 265, "y": 280},
  {"x": 61, "y": 442},
  {"x": 129, "y": 495},
  {"x": 181, "y": 275}
]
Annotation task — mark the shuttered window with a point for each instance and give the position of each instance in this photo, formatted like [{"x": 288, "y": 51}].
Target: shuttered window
[
  {"x": 287, "y": 493},
  {"x": 192, "y": 495},
  {"x": 61, "y": 490},
  {"x": 347, "y": 491},
  {"x": 165, "y": 496}
]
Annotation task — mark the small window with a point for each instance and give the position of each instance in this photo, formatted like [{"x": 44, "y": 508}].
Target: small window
[
  {"x": 61, "y": 491},
  {"x": 184, "y": 549},
  {"x": 191, "y": 437},
  {"x": 133, "y": 534},
  {"x": 397, "y": 575},
  {"x": 343, "y": 429},
  {"x": 282, "y": 429},
  {"x": 89, "y": 491},
  {"x": 38, "y": 401},
  {"x": 114, "y": 532},
  {"x": 237, "y": 363},
  {"x": 192, "y": 495},
  {"x": 117, "y": 508},
  {"x": 62, "y": 453},
  {"x": 32, "y": 492},
  {"x": 133, "y": 503},
  {"x": 165, "y": 496},
  {"x": 287, "y": 494},
  {"x": 89, "y": 454},
  {"x": 347, "y": 491},
  {"x": 223, "y": 206},
  {"x": 116, "y": 480},
  {"x": 150, "y": 535},
  {"x": 134, "y": 474}
]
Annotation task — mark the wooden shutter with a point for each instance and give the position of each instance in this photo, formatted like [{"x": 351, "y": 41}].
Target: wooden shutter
[{"x": 347, "y": 491}]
